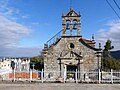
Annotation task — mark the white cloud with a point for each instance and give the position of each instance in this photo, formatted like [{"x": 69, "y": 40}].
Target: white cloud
[
  {"x": 12, "y": 32},
  {"x": 20, "y": 52},
  {"x": 35, "y": 24},
  {"x": 9, "y": 11},
  {"x": 6, "y": 9},
  {"x": 24, "y": 16},
  {"x": 112, "y": 33}
]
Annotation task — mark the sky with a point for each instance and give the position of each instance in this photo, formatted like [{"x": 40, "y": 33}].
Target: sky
[{"x": 25, "y": 25}]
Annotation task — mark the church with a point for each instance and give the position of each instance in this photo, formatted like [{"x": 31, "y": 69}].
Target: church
[{"x": 68, "y": 51}]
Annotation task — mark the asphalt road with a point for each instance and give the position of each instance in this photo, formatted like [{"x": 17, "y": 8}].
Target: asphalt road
[{"x": 56, "y": 86}]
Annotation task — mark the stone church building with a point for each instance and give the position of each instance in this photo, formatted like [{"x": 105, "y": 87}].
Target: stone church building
[{"x": 69, "y": 52}]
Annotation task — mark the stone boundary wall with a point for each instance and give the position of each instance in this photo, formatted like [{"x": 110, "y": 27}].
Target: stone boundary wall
[{"x": 23, "y": 75}]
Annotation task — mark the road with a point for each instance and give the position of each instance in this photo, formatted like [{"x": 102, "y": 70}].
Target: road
[{"x": 57, "y": 86}]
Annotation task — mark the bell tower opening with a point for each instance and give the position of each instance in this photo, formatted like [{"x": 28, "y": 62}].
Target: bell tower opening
[{"x": 71, "y": 23}]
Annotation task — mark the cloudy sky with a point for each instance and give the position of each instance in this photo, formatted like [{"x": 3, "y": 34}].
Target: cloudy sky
[{"x": 25, "y": 25}]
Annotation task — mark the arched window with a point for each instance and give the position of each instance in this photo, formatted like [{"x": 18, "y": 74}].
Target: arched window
[
  {"x": 67, "y": 27},
  {"x": 75, "y": 24},
  {"x": 67, "y": 24},
  {"x": 74, "y": 27}
]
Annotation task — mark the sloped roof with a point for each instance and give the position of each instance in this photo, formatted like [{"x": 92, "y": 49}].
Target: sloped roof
[
  {"x": 88, "y": 41},
  {"x": 71, "y": 12},
  {"x": 87, "y": 45}
]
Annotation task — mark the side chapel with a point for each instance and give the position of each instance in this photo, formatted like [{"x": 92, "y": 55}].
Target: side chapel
[{"x": 69, "y": 51}]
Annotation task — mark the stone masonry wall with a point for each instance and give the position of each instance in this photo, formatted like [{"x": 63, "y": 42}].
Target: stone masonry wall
[{"x": 89, "y": 61}]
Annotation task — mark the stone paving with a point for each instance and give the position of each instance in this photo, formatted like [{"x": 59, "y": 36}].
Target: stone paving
[{"x": 56, "y": 86}]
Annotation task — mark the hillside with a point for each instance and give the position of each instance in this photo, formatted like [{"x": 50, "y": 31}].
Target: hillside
[{"x": 115, "y": 54}]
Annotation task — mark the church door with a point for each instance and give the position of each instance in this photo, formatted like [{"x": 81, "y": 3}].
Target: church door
[{"x": 71, "y": 71}]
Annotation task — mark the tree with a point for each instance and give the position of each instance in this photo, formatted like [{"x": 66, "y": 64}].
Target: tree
[
  {"x": 108, "y": 45},
  {"x": 107, "y": 48},
  {"x": 108, "y": 62},
  {"x": 38, "y": 62},
  {"x": 112, "y": 63}
]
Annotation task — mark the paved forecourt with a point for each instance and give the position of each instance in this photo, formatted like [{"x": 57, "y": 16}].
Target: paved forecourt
[{"x": 56, "y": 86}]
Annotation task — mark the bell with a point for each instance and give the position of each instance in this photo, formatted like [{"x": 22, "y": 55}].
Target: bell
[
  {"x": 75, "y": 25},
  {"x": 68, "y": 26}
]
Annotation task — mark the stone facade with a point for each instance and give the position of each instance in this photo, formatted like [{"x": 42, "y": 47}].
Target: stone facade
[{"x": 70, "y": 52}]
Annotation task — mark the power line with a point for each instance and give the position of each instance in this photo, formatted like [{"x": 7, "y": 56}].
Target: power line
[
  {"x": 116, "y": 4},
  {"x": 113, "y": 9}
]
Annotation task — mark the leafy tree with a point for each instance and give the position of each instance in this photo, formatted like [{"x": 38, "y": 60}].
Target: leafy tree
[
  {"x": 108, "y": 62},
  {"x": 107, "y": 48},
  {"x": 108, "y": 45},
  {"x": 38, "y": 62}
]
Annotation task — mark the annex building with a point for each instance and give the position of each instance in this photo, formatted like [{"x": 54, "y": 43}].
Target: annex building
[{"x": 68, "y": 51}]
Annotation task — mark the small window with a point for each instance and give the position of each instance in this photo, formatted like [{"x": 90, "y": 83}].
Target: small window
[{"x": 72, "y": 45}]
